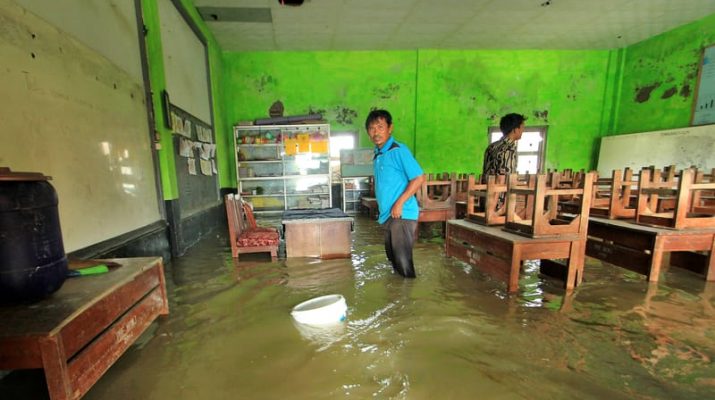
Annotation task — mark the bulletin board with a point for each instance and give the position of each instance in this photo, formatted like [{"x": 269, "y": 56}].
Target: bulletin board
[{"x": 704, "y": 105}]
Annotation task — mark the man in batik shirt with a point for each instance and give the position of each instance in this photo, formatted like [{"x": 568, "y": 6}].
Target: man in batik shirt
[{"x": 500, "y": 156}]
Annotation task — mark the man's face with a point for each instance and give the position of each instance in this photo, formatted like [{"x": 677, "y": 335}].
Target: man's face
[{"x": 379, "y": 132}]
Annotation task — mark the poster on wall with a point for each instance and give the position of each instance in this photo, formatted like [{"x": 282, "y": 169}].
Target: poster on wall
[{"x": 704, "y": 106}]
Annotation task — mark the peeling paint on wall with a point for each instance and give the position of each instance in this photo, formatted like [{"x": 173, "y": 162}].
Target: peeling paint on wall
[
  {"x": 345, "y": 115},
  {"x": 669, "y": 93},
  {"x": 387, "y": 92},
  {"x": 542, "y": 115},
  {"x": 264, "y": 83},
  {"x": 643, "y": 93}
]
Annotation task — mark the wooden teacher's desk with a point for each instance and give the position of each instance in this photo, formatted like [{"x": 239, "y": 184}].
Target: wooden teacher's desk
[
  {"x": 640, "y": 248},
  {"x": 324, "y": 233},
  {"x": 77, "y": 333}
]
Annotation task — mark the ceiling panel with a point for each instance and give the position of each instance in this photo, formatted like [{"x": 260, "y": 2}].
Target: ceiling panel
[{"x": 452, "y": 24}]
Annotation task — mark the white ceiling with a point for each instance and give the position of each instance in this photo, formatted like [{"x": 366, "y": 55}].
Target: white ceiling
[{"x": 452, "y": 24}]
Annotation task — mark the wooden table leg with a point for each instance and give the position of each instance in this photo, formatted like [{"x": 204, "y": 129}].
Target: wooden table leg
[
  {"x": 710, "y": 271},
  {"x": 54, "y": 362},
  {"x": 513, "y": 284},
  {"x": 656, "y": 260},
  {"x": 574, "y": 274},
  {"x": 162, "y": 284}
]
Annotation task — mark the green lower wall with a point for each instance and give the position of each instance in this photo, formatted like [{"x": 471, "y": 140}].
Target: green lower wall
[{"x": 660, "y": 76}]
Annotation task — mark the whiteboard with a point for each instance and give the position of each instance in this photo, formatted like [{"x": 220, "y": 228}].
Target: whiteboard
[
  {"x": 704, "y": 107},
  {"x": 683, "y": 147},
  {"x": 185, "y": 63},
  {"x": 71, "y": 113}
]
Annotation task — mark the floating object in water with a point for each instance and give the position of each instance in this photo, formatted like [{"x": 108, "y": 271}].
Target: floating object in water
[{"x": 323, "y": 310}]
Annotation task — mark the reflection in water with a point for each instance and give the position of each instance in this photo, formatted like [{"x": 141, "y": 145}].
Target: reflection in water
[{"x": 452, "y": 333}]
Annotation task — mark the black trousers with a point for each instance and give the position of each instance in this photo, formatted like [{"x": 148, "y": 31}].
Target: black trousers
[{"x": 399, "y": 241}]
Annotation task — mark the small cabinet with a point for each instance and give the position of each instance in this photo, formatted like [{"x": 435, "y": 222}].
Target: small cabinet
[
  {"x": 281, "y": 167},
  {"x": 353, "y": 190}
]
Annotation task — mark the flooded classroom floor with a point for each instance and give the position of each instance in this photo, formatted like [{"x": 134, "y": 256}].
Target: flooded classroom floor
[{"x": 452, "y": 333}]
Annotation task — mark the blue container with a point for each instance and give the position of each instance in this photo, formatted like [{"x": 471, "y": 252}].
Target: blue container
[{"x": 33, "y": 263}]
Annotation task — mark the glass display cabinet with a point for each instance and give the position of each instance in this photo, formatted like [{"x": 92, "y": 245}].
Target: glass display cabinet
[{"x": 281, "y": 167}]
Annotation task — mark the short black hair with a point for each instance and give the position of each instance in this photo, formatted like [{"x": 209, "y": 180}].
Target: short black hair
[
  {"x": 378, "y": 114},
  {"x": 510, "y": 122}
]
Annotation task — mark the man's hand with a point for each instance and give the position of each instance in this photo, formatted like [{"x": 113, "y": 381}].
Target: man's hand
[{"x": 396, "y": 211}]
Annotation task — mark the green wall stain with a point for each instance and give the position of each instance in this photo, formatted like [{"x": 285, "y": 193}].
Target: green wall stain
[{"x": 659, "y": 78}]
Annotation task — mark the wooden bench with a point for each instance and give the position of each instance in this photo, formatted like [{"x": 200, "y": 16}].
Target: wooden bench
[
  {"x": 76, "y": 334},
  {"x": 248, "y": 238},
  {"x": 501, "y": 254}
]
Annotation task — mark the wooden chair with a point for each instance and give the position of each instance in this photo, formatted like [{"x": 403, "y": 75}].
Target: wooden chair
[
  {"x": 611, "y": 198},
  {"x": 704, "y": 200},
  {"x": 483, "y": 200},
  {"x": 544, "y": 219},
  {"x": 244, "y": 237},
  {"x": 684, "y": 190},
  {"x": 436, "y": 199},
  {"x": 461, "y": 195}
]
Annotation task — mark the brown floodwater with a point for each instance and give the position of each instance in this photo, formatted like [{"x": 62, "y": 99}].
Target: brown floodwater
[{"x": 452, "y": 333}]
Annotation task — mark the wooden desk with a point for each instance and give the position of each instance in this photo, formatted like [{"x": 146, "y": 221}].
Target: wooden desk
[
  {"x": 640, "y": 248},
  {"x": 76, "y": 334},
  {"x": 370, "y": 204},
  {"x": 324, "y": 233},
  {"x": 501, "y": 253}
]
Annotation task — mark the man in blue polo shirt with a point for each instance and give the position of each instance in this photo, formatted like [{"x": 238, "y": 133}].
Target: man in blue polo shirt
[{"x": 398, "y": 176}]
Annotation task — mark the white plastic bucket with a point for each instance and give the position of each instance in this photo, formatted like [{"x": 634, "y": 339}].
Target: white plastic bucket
[{"x": 323, "y": 310}]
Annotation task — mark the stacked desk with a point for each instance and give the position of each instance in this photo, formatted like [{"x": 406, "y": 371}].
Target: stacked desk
[
  {"x": 640, "y": 248},
  {"x": 76, "y": 334}
]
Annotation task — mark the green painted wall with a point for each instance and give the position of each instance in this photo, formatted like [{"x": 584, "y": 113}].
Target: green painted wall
[
  {"x": 343, "y": 86},
  {"x": 157, "y": 78},
  {"x": 462, "y": 93},
  {"x": 442, "y": 101},
  {"x": 445, "y": 100},
  {"x": 659, "y": 78}
]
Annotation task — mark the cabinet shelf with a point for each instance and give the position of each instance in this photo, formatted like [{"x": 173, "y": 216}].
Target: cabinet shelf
[
  {"x": 359, "y": 187},
  {"x": 259, "y": 161},
  {"x": 260, "y": 145},
  {"x": 263, "y": 195},
  {"x": 308, "y": 194}
]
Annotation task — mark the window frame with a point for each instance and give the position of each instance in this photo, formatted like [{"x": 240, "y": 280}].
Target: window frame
[{"x": 540, "y": 154}]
